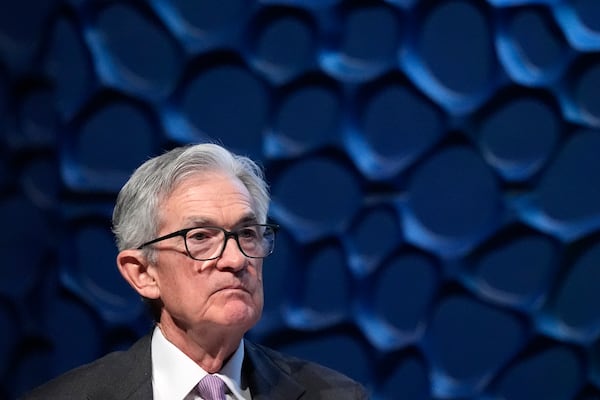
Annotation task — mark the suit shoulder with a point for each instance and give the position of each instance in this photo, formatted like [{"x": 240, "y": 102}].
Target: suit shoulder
[
  {"x": 75, "y": 380},
  {"x": 313, "y": 375},
  {"x": 100, "y": 376}
]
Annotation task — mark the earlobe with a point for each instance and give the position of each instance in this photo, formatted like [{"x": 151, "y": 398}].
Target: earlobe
[{"x": 138, "y": 272}]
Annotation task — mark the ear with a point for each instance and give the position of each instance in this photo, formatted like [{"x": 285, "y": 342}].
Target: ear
[{"x": 139, "y": 273}]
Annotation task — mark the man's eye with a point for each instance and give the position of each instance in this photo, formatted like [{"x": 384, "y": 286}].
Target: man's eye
[
  {"x": 248, "y": 233},
  {"x": 201, "y": 234},
  {"x": 197, "y": 236}
]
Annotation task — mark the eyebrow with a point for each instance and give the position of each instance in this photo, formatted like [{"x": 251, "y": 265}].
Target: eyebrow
[{"x": 203, "y": 221}]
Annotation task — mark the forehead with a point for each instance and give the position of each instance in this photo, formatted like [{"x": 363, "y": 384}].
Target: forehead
[{"x": 208, "y": 197}]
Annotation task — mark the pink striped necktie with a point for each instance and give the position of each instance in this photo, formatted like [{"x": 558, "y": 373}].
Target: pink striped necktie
[{"x": 211, "y": 387}]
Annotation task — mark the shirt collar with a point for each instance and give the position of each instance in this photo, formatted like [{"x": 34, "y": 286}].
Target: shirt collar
[{"x": 174, "y": 374}]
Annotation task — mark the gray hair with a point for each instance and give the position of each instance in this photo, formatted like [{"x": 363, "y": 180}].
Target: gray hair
[{"x": 136, "y": 215}]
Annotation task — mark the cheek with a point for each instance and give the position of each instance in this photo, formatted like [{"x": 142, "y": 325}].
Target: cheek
[
  {"x": 258, "y": 277},
  {"x": 259, "y": 293},
  {"x": 177, "y": 286}
]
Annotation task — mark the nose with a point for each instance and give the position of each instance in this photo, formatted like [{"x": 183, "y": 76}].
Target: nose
[{"x": 232, "y": 257}]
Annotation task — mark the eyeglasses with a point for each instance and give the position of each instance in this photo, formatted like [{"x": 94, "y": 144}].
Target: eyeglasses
[{"x": 205, "y": 243}]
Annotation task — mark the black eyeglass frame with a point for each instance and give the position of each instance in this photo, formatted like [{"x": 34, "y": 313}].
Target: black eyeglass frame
[{"x": 228, "y": 234}]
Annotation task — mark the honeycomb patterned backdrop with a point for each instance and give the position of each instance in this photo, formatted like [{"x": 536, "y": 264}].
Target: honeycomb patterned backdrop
[{"x": 434, "y": 166}]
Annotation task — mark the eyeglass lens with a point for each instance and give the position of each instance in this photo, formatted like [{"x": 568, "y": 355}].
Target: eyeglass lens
[{"x": 208, "y": 242}]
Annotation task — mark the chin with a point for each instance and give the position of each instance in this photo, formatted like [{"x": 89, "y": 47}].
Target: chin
[{"x": 240, "y": 314}]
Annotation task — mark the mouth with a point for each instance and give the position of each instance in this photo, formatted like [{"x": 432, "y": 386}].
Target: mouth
[{"x": 233, "y": 288}]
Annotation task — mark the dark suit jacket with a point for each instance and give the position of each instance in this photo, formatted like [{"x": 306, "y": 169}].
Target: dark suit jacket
[{"x": 269, "y": 374}]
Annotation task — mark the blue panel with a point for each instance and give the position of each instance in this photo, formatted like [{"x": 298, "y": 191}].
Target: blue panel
[
  {"x": 309, "y": 115},
  {"x": 519, "y": 138},
  {"x": 518, "y": 270},
  {"x": 4, "y": 89},
  {"x": 67, "y": 317},
  {"x": 40, "y": 182},
  {"x": 334, "y": 194},
  {"x": 375, "y": 234},
  {"x": 229, "y": 104},
  {"x": 552, "y": 373},
  {"x": 9, "y": 338},
  {"x": 135, "y": 44},
  {"x": 578, "y": 302},
  {"x": 95, "y": 270},
  {"x": 101, "y": 157},
  {"x": 586, "y": 91},
  {"x": 326, "y": 269},
  {"x": 531, "y": 46},
  {"x": 68, "y": 67},
  {"x": 284, "y": 43},
  {"x": 471, "y": 201},
  {"x": 276, "y": 270},
  {"x": 21, "y": 246},
  {"x": 380, "y": 45},
  {"x": 565, "y": 192},
  {"x": 588, "y": 12},
  {"x": 537, "y": 40},
  {"x": 212, "y": 15},
  {"x": 37, "y": 120},
  {"x": 399, "y": 125},
  {"x": 455, "y": 44},
  {"x": 469, "y": 341},
  {"x": 433, "y": 164},
  {"x": 409, "y": 380},
  {"x": 405, "y": 291},
  {"x": 23, "y": 27},
  {"x": 348, "y": 356}
]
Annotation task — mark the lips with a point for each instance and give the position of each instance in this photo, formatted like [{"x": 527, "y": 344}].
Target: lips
[{"x": 233, "y": 287}]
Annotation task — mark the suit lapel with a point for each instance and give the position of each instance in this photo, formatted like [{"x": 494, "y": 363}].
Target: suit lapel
[
  {"x": 144, "y": 392},
  {"x": 139, "y": 377},
  {"x": 266, "y": 379},
  {"x": 130, "y": 375}
]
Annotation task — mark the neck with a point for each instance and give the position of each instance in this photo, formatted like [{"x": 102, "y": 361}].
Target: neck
[{"x": 209, "y": 348}]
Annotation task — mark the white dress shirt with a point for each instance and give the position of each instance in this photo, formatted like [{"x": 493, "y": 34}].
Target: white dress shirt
[{"x": 175, "y": 375}]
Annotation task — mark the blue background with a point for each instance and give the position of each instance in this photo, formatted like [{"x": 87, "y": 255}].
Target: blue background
[{"x": 434, "y": 166}]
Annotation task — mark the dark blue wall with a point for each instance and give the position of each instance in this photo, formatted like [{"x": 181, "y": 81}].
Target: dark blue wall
[{"x": 434, "y": 164}]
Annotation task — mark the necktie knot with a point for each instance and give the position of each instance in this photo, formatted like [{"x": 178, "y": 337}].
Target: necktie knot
[{"x": 211, "y": 387}]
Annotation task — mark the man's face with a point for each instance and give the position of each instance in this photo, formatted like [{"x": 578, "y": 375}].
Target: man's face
[{"x": 223, "y": 293}]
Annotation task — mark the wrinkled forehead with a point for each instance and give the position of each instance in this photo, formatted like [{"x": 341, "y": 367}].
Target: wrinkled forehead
[{"x": 216, "y": 186}]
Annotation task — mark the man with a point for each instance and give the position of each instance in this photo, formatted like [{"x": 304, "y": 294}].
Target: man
[{"x": 191, "y": 230}]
